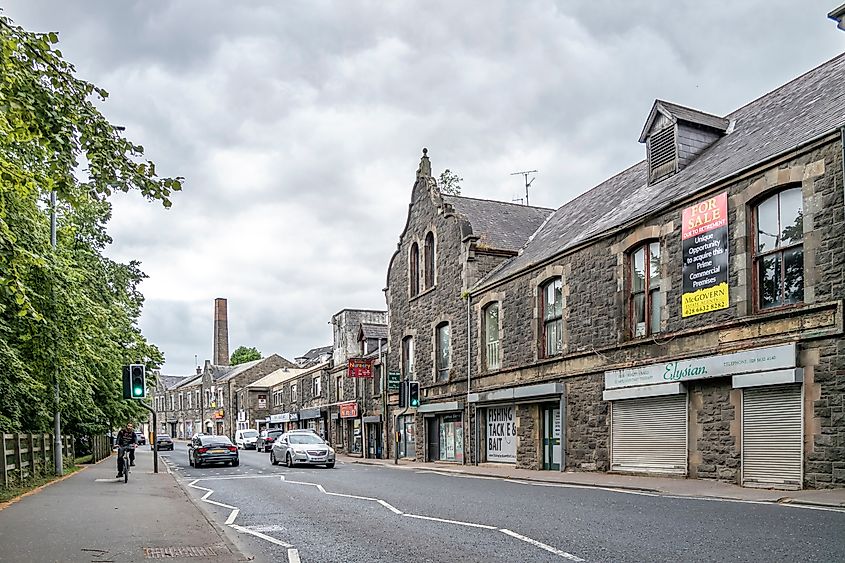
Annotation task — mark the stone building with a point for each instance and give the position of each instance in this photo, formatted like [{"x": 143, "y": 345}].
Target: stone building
[
  {"x": 259, "y": 404},
  {"x": 684, "y": 317},
  {"x": 448, "y": 244}
]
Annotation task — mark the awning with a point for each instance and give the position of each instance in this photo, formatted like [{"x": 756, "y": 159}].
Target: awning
[
  {"x": 372, "y": 419},
  {"x": 511, "y": 394},
  {"x": 441, "y": 407},
  {"x": 307, "y": 414}
]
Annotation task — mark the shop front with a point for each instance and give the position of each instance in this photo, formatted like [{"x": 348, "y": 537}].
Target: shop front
[
  {"x": 444, "y": 431},
  {"x": 372, "y": 431},
  {"x": 650, "y": 414},
  {"x": 312, "y": 419},
  {"x": 353, "y": 428},
  {"x": 407, "y": 436}
]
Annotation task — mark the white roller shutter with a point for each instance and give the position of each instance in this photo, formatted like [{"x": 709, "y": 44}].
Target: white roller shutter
[
  {"x": 772, "y": 436},
  {"x": 649, "y": 435}
]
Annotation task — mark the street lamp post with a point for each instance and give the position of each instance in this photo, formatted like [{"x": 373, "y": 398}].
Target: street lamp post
[{"x": 57, "y": 416}]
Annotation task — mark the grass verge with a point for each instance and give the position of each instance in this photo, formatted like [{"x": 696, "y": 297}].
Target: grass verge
[{"x": 12, "y": 493}]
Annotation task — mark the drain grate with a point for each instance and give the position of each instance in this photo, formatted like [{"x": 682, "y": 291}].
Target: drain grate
[{"x": 184, "y": 551}]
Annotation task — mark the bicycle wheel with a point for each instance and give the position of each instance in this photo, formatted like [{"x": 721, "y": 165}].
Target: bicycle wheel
[{"x": 125, "y": 470}]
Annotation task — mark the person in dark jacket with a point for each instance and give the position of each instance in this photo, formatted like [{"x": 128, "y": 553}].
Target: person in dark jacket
[{"x": 126, "y": 440}]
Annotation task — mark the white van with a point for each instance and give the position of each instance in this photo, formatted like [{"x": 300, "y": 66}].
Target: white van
[{"x": 246, "y": 438}]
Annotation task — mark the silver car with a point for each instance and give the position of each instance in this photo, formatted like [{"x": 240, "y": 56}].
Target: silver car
[{"x": 303, "y": 447}]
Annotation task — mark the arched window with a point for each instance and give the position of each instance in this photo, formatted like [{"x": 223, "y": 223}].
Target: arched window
[
  {"x": 645, "y": 301},
  {"x": 415, "y": 270},
  {"x": 408, "y": 359},
  {"x": 492, "y": 354},
  {"x": 444, "y": 351},
  {"x": 779, "y": 249},
  {"x": 428, "y": 259},
  {"x": 551, "y": 299}
]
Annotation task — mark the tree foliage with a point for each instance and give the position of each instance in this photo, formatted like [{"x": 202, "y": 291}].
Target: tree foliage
[
  {"x": 449, "y": 183},
  {"x": 242, "y": 355},
  {"x": 73, "y": 311}
]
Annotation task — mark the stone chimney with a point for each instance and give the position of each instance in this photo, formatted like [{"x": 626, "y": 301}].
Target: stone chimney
[{"x": 221, "y": 333}]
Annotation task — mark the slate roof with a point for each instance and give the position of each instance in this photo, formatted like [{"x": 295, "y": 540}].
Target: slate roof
[
  {"x": 225, "y": 373},
  {"x": 499, "y": 225},
  {"x": 276, "y": 377},
  {"x": 372, "y": 330},
  {"x": 806, "y": 108},
  {"x": 683, "y": 113},
  {"x": 170, "y": 381},
  {"x": 189, "y": 380},
  {"x": 316, "y": 352}
]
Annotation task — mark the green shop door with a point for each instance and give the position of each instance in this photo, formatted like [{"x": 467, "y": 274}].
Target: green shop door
[{"x": 551, "y": 438}]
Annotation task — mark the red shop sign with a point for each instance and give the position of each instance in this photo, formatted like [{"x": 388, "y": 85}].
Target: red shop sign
[
  {"x": 360, "y": 368},
  {"x": 348, "y": 410}
]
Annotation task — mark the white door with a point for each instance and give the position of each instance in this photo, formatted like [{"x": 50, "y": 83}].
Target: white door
[
  {"x": 649, "y": 435},
  {"x": 772, "y": 437}
]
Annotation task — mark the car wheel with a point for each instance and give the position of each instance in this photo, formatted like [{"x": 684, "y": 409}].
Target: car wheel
[
  {"x": 289, "y": 460},
  {"x": 273, "y": 459},
  {"x": 197, "y": 463},
  {"x": 190, "y": 461},
  {"x": 236, "y": 463},
  {"x": 330, "y": 465}
]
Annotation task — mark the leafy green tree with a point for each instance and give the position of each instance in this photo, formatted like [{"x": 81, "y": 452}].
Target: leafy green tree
[
  {"x": 449, "y": 183},
  {"x": 71, "y": 311},
  {"x": 242, "y": 355}
]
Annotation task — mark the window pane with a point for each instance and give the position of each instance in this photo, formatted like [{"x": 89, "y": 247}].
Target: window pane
[
  {"x": 655, "y": 312},
  {"x": 639, "y": 314},
  {"x": 491, "y": 323},
  {"x": 767, "y": 224},
  {"x": 558, "y": 289},
  {"x": 793, "y": 275},
  {"x": 554, "y": 337},
  {"x": 654, "y": 265},
  {"x": 638, "y": 270},
  {"x": 443, "y": 346},
  {"x": 791, "y": 217},
  {"x": 770, "y": 281}
]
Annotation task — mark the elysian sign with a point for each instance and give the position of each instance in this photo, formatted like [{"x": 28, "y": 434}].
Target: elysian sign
[{"x": 758, "y": 359}]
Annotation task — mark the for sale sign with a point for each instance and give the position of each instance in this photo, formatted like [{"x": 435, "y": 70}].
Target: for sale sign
[
  {"x": 501, "y": 434},
  {"x": 704, "y": 234}
]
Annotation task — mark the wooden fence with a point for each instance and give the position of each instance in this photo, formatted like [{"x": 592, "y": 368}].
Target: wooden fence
[
  {"x": 100, "y": 447},
  {"x": 25, "y": 455}
]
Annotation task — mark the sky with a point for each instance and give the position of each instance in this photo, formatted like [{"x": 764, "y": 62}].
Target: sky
[{"x": 298, "y": 127}]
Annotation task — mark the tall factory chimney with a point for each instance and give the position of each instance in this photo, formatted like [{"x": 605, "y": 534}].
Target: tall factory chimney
[{"x": 221, "y": 333}]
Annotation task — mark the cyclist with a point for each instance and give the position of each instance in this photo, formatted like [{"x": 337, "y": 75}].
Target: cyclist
[{"x": 126, "y": 440}]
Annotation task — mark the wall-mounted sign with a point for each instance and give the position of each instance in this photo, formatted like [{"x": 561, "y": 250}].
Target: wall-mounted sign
[
  {"x": 277, "y": 418},
  {"x": 747, "y": 361},
  {"x": 348, "y": 410},
  {"x": 704, "y": 234},
  {"x": 501, "y": 434},
  {"x": 393, "y": 380},
  {"x": 218, "y": 414},
  {"x": 308, "y": 414},
  {"x": 262, "y": 401},
  {"x": 359, "y": 367}
]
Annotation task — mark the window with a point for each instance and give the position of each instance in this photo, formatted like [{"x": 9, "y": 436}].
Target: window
[
  {"x": 189, "y": 399},
  {"x": 408, "y": 358},
  {"x": 293, "y": 398},
  {"x": 645, "y": 298},
  {"x": 338, "y": 388},
  {"x": 415, "y": 270},
  {"x": 316, "y": 386},
  {"x": 491, "y": 336},
  {"x": 443, "y": 351},
  {"x": 428, "y": 259},
  {"x": 197, "y": 399},
  {"x": 376, "y": 390},
  {"x": 552, "y": 301},
  {"x": 779, "y": 249}
]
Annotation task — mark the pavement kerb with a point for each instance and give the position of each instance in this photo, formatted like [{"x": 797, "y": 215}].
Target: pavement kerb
[
  {"x": 234, "y": 546},
  {"x": 622, "y": 487}
]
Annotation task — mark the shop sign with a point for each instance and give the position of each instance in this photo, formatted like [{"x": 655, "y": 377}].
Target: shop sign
[
  {"x": 360, "y": 367},
  {"x": 217, "y": 414},
  {"x": 348, "y": 410},
  {"x": 501, "y": 434},
  {"x": 393, "y": 380},
  {"x": 747, "y": 361},
  {"x": 704, "y": 235},
  {"x": 262, "y": 401},
  {"x": 292, "y": 417},
  {"x": 306, "y": 414},
  {"x": 276, "y": 418}
]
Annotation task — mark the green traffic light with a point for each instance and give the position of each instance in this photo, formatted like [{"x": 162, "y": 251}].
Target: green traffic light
[{"x": 139, "y": 391}]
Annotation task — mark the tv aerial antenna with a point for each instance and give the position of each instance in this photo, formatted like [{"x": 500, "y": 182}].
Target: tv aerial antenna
[{"x": 525, "y": 174}]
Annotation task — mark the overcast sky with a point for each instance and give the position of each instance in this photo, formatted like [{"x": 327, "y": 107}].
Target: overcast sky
[{"x": 299, "y": 126}]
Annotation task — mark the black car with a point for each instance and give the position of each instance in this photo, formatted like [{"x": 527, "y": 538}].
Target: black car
[
  {"x": 266, "y": 439},
  {"x": 206, "y": 448},
  {"x": 164, "y": 442}
]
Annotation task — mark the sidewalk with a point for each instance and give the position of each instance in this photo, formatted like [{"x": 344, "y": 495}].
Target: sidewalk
[
  {"x": 93, "y": 517},
  {"x": 660, "y": 485}
]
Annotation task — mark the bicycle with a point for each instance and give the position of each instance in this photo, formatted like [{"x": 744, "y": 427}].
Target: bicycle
[{"x": 126, "y": 464}]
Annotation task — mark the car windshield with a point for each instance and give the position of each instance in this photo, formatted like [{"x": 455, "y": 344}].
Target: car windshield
[
  {"x": 305, "y": 439},
  {"x": 250, "y": 434},
  {"x": 275, "y": 433},
  {"x": 215, "y": 441}
]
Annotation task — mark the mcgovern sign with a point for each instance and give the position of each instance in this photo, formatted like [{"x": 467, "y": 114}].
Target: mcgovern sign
[{"x": 747, "y": 361}]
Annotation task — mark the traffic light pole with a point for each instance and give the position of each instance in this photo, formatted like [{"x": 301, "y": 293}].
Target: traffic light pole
[{"x": 155, "y": 442}]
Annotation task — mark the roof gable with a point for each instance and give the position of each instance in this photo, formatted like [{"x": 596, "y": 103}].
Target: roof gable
[
  {"x": 676, "y": 113},
  {"x": 498, "y": 225}
]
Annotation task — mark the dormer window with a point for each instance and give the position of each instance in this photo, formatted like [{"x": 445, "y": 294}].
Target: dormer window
[{"x": 662, "y": 155}]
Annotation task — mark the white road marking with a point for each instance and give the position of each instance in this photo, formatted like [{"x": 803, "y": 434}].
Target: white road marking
[
  {"x": 105, "y": 480},
  {"x": 270, "y": 528},
  {"x": 389, "y": 506},
  {"x": 232, "y": 516},
  {"x": 293, "y": 556},
  {"x": 541, "y": 545},
  {"x": 458, "y": 522},
  {"x": 264, "y": 537}
]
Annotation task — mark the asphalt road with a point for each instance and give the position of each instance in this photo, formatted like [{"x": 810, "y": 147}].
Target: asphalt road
[{"x": 420, "y": 515}]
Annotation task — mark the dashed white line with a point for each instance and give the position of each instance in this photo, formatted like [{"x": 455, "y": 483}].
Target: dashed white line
[
  {"x": 293, "y": 556},
  {"x": 232, "y": 516}
]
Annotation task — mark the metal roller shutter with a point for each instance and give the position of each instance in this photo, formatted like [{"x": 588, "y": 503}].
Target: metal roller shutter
[
  {"x": 649, "y": 435},
  {"x": 772, "y": 436}
]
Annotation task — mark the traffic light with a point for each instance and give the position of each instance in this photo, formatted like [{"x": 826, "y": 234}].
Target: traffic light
[
  {"x": 403, "y": 394},
  {"x": 134, "y": 381},
  {"x": 413, "y": 394}
]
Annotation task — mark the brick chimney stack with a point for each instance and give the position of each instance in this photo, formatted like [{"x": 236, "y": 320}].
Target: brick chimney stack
[{"x": 221, "y": 333}]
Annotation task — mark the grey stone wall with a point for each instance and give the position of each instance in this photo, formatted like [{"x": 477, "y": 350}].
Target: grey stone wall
[
  {"x": 528, "y": 444},
  {"x": 587, "y": 425},
  {"x": 715, "y": 430},
  {"x": 825, "y": 397}
]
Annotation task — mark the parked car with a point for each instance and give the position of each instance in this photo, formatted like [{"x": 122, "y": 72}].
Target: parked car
[
  {"x": 142, "y": 440},
  {"x": 301, "y": 446},
  {"x": 207, "y": 448},
  {"x": 164, "y": 442},
  {"x": 246, "y": 439},
  {"x": 266, "y": 439}
]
